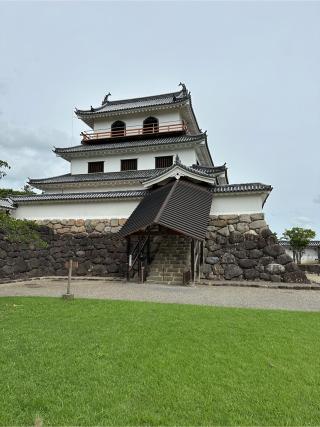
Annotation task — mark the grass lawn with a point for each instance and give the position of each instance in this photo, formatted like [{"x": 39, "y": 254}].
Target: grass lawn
[{"x": 91, "y": 362}]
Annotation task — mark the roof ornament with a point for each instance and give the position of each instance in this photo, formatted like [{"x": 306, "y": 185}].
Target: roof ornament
[
  {"x": 105, "y": 99},
  {"x": 177, "y": 160},
  {"x": 91, "y": 108},
  {"x": 184, "y": 88}
]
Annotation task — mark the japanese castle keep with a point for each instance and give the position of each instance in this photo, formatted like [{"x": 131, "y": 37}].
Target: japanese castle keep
[{"x": 143, "y": 184}]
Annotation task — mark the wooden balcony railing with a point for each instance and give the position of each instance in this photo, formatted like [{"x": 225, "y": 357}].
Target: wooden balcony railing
[{"x": 146, "y": 130}]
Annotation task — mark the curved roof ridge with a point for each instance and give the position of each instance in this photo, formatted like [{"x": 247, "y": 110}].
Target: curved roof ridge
[
  {"x": 249, "y": 186},
  {"x": 176, "y": 94},
  {"x": 116, "y": 194},
  {"x": 130, "y": 142}
]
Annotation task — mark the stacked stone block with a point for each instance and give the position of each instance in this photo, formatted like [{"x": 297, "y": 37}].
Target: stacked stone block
[
  {"x": 242, "y": 247},
  {"x": 237, "y": 247},
  {"x": 84, "y": 227},
  {"x": 98, "y": 255}
]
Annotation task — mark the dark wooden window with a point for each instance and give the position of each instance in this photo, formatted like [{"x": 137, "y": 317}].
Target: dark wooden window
[
  {"x": 129, "y": 164},
  {"x": 164, "y": 162},
  {"x": 118, "y": 128},
  {"x": 94, "y": 167},
  {"x": 151, "y": 125}
]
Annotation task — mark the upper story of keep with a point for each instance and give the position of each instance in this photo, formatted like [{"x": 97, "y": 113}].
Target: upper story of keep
[
  {"x": 161, "y": 125},
  {"x": 144, "y": 134}
]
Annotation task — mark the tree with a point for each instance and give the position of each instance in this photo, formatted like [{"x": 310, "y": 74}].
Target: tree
[
  {"x": 3, "y": 165},
  {"x": 298, "y": 238},
  {"x": 6, "y": 192}
]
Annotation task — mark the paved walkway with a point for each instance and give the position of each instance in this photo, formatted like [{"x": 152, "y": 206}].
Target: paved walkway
[{"x": 225, "y": 296}]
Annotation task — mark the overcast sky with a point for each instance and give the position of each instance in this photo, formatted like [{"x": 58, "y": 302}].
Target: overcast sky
[{"x": 253, "y": 70}]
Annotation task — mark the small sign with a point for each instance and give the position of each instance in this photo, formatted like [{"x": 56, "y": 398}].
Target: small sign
[{"x": 75, "y": 264}]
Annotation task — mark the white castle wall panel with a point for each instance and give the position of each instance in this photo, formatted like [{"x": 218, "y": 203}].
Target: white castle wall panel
[
  {"x": 145, "y": 160},
  {"x": 86, "y": 188},
  {"x": 77, "y": 210},
  {"x": 221, "y": 205},
  {"x": 236, "y": 204},
  {"x": 136, "y": 120}
]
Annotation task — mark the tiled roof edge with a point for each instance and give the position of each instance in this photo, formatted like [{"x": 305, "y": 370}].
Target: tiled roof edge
[
  {"x": 80, "y": 196},
  {"x": 139, "y": 99},
  {"x": 133, "y": 143},
  {"x": 240, "y": 188}
]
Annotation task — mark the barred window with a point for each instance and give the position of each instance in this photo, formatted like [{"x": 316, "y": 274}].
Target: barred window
[
  {"x": 94, "y": 167},
  {"x": 151, "y": 125},
  {"x": 118, "y": 128},
  {"x": 129, "y": 164},
  {"x": 164, "y": 162}
]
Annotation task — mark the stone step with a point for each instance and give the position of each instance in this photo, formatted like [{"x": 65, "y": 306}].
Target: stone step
[
  {"x": 165, "y": 278},
  {"x": 166, "y": 282},
  {"x": 162, "y": 265},
  {"x": 173, "y": 259},
  {"x": 170, "y": 261},
  {"x": 167, "y": 270}
]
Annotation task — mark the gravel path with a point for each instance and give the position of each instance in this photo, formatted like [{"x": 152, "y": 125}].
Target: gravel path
[{"x": 231, "y": 296}]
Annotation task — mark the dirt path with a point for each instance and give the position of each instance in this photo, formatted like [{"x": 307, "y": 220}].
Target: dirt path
[{"x": 230, "y": 296}]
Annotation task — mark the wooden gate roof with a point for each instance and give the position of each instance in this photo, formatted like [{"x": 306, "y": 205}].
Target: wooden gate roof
[{"x": 179, "y": 205}]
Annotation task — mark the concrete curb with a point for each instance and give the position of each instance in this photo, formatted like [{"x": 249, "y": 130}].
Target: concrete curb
[{"x": 265, "y": 285}]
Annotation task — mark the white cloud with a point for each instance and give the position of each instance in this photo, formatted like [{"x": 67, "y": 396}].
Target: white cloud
[{"x": 29, "y": 153}]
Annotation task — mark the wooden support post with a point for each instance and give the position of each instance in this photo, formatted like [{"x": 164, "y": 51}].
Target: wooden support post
[
  {"x": 128, "y": 257},
  {"x": 148, "y": 250},
  {"x": 192, "y": 261},
  {"x": 70, "y": 265},
  {"x": 69, "y": 276}
]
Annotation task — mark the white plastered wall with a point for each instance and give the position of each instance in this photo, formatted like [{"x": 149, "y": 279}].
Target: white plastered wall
[
  {"x": 83, "y": 188},
  {"x": 136, "y": 120},
  {"x": 236, "y": 204},
  {"x": 112, "y": 163},
  {"x": 221, "y": 205},
  {"x": 309, "y": 255},
  {"x": 77, "y": 210}
]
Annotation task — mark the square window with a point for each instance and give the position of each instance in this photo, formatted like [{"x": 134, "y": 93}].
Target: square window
[
  {"x": 129, "y": 164},
  {"x": 164, "y": 162},
  {"x": 94, "y": 167}
]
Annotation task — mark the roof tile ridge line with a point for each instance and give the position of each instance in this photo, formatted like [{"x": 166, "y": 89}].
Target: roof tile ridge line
[
  {"x": 141, "y": 98},
  {"x": 195, "y": 171},
  {"x": 86, "y": 193},
  {"x": 162, "y": 171},
  {"x": 192, "y": 137},
  {"x": 89, "y": 112},
  {"x": 166, "y": 201},
  {"x": 50, "y": 177}
]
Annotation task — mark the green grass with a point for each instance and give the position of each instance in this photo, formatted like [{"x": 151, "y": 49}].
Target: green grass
[{"x": 90, "y": 362}]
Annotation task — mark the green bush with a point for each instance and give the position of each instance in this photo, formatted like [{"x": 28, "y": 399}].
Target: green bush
[{"x": 21, "y": 231}]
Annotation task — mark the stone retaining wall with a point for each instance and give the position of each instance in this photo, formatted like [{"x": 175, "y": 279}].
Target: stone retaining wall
[
  {"x": 243, "y": 247},
  {"x": 237, "y": 247},
  {"x": 98, "y": 255},
  {"x": 84, "y": 227}
]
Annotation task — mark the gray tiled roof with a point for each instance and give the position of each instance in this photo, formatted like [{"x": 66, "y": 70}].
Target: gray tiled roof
[
  {"x": 235, "y": 188},
  {"x": 80, "y": 196},
  {"x": 178, "y": 205},
  {"x": 86, "y": 147},
  {"x": 312, "y": 244},
  {"x": 139, "y": 175},
  {"x": 240, "y": 188},
  {"x": 93, "y": 177},
  {"x": 133, "y": 103},
  {"x": 210, "y": 170},
  {"x": 5, "y": 204}
]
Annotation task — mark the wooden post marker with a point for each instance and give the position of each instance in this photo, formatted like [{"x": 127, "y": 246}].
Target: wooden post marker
[{"x": 69, "y": 265}]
